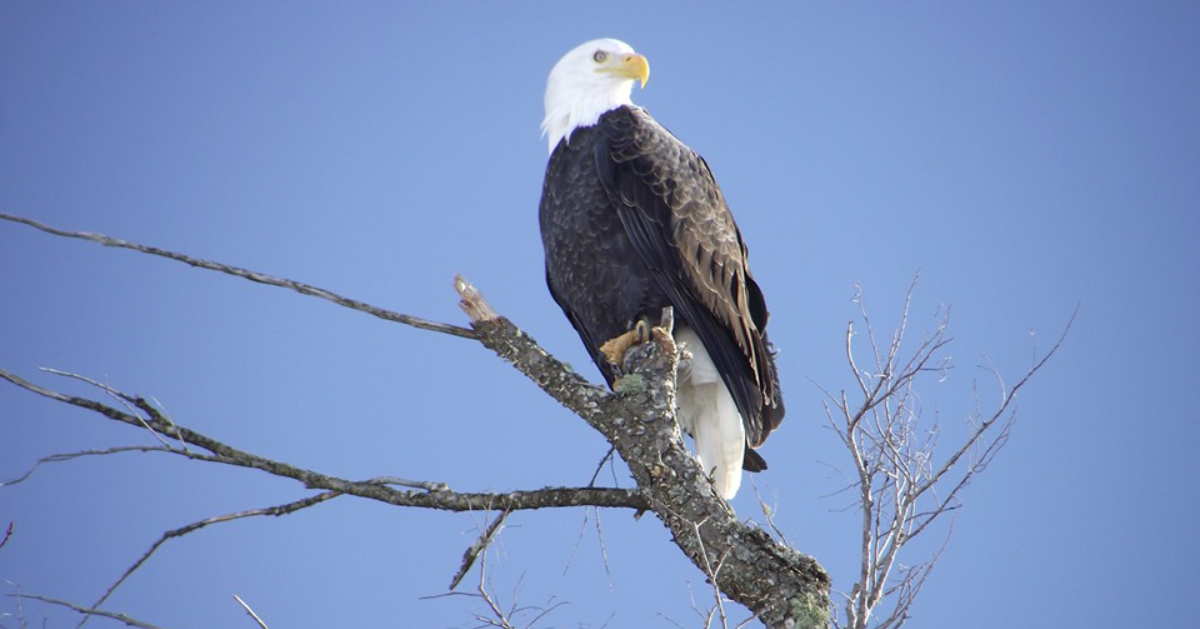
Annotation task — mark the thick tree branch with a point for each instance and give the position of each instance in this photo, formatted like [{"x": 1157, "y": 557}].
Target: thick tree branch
[{"x": 781, "y": 586}]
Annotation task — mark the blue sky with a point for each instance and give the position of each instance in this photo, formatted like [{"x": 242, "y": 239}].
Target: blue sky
[{"x": 1024, "y": 156}]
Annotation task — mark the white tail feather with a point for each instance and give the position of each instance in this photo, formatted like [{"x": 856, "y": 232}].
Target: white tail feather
[{"x": 708, "y": 413}]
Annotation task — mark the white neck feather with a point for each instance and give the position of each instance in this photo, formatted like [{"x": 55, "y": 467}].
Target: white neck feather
[
  {"x": 577, "y": 95},
  {"x": 565, "y": 115}
]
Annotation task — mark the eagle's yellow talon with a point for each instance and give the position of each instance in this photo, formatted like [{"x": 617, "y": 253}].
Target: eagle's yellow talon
[{"x": 615, "y": 349}]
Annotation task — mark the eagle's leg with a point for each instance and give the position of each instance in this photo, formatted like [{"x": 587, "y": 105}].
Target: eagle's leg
[{"x": 614, "y": 349}]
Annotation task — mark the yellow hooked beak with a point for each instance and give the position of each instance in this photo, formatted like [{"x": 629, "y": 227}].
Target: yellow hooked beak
[{"x": 630, "y": 66}]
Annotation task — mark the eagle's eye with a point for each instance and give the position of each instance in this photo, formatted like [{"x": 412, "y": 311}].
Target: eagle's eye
[{"x": 600, "y": 56}]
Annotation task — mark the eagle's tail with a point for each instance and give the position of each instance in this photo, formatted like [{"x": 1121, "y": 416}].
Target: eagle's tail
[{"x": 708, "y": 413}]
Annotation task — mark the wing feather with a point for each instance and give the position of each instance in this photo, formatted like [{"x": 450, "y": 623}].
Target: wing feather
[{"x": 675, "y": 215}]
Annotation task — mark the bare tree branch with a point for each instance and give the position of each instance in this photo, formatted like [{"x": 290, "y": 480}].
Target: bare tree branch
[
  {"x": 249, "y": 611},
  {"x": 374, "y": 489},
  {"x": 132, "y": 622},
  {"x": 184, "y": 530},
  {"x": 253, "y": 276},
  {"x": 435, "y": 495},
  {"x": 125, "y": 400},
  {"x": 67, "y": 456},
  {"x": 894, "y": 466}
]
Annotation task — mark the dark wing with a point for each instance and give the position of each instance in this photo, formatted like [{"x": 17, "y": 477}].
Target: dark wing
[{"x": 676, "y": 217}]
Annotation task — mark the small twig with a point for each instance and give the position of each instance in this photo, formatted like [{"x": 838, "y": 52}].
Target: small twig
[
  {"x": 672, "y": 620},
  {"x": 501, "y": 618},
  {"x": 769, "y": 514},
  {"x": 478, "y": 546},
  {"x": 910, "y": 586},
  {"x": 125, "y": 400},
  {"x": 250, "y": 611},
  {"x": 20, "y": 601},
  {"x": 415, "y": 484},
  {"x": 544, "y": 612},
  {"x": 254, "y": 276},
  {"x": 599, "y": 531},
  {"x": 93, "y": 612},
  {"x": 8, "y": 533},
  {"x": 604, "y": 547},
  {"x": 600, "y": 466},
  {"x": 1008, "y": 400},
  {"x": 67, "y": 456},
  {"x": 158, "y": 411},
  {"x": 711, "y": 573}
]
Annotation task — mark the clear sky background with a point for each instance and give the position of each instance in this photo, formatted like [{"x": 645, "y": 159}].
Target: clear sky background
[{"x": 1025, "y": 156}]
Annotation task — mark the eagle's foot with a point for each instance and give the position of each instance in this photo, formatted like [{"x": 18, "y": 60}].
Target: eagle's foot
[{"x": 614, "y": 349}]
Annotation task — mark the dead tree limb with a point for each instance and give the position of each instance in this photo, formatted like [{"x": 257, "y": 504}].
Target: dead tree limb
[
  {"x": 253, "y": 276},
  {"x": 375, "y": 489},
  {"x": 780, "y": 586}
]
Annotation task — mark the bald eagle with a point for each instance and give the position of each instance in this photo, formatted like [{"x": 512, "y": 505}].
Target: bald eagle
[{"x": 632, "y": 221}]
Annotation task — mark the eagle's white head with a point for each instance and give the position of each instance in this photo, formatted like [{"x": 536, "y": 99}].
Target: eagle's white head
[{"x": 588, "y": 81}]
